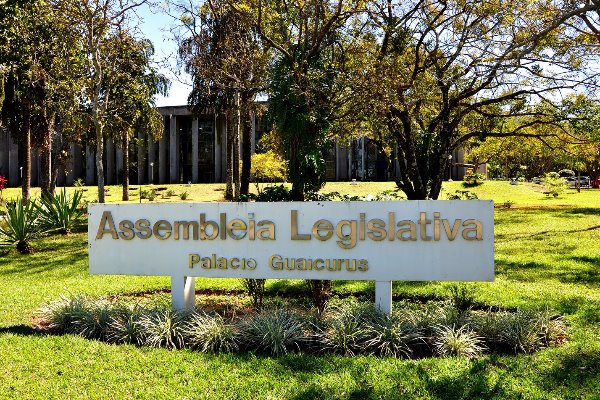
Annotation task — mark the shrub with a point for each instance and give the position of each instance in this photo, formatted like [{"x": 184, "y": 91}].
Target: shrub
[
  {"x": 275, "y": 332},
  {"x": 452, "y": 341},
  {"x": 473, "y": 179},
  {"x": 3, "y": 183},
  {"x": 21, "y": 224},
  {"x": 210, "y": 334},
  {"x": 256, "y": 290},
  {"x": 183, "y": 195},
  {"x": 268, "y": 167},
  {"x": 462, "y": 296},
  {"x": 462, "y": 195},
  {"x": 163, "y": 328},
  {"x": 554, "y": 184},
  {"x": 60, "y": 212},
  {"x": 169, "y": 193}
]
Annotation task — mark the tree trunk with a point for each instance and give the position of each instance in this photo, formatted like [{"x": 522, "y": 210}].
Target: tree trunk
[
  {"x": 125, "y": 148},
  {"x": 46, "y": 165},
  {"x": 236, "y": 149},
  {"x": 99, "y": 165},
  {"x": 26, "y": 163},
  {"x": 229, "y": 156},
  {"x": 246, "y": 148}
]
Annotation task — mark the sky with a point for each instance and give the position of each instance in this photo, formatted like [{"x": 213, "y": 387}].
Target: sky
[{"x": 154, "y": 25}]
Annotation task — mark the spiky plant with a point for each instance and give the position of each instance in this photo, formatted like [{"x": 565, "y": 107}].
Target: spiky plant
[
  {"x": 389, "y": 336},
  {"x": 163, "y": 328},
  {"x": 453, "y": 341},
  {"x": 21, "y": 224},
  {"x": 94, "y": 322},
  {"x": 124, "y": 326},
  {"x": 277, "y": 331},
  {"x": 344, "y": 328},
  {"x": 60, "y": 212},
  {"x": 62, "y": 315},
  {"x": 210, "y": 334}
]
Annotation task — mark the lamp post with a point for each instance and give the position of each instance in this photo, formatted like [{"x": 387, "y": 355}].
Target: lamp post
[
  {"x": 449, "y": 167},
  {"x": 151, "y": 173}
]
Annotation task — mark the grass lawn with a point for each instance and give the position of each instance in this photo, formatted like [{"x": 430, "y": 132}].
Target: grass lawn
[{"x": 547, "y": 256}]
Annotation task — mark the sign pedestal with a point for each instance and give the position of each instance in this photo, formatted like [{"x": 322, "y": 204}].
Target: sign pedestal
[
  {"x": 183, "y": 292},
  {"x": 383, "y": 296}
]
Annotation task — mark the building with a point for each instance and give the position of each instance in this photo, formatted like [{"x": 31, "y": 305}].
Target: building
[{"x": 192, "y": 150}]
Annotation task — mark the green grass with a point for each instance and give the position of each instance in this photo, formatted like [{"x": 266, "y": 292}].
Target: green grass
[{"x": 547, "y": 255}]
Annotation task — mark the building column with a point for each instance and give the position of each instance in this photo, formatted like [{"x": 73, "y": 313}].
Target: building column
[
  {"x": 151, "y": 166},
  {"x": 141, "y": 159},
  {"x": 14, "y": 178},
  {"x": 195, "y": 150},
  {"x": 119, "y": 164},
  {"x": 162, "y": 159},
  {"x": 71, "y": 165},
  {"x": 218, "y": 145},
  {"x": 174, "y": 170},
  {"x": 90, "y": 160},
  {"x": 224, "y": 127},
  {"x": 110, "y": 161}
]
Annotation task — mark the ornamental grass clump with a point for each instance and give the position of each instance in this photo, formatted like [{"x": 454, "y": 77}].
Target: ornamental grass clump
[
  {"x": 63, "y": 315},
  {"x": 275, "y": 331},
  {"x": 523, "y": 331},
  {"x": 453, "y": 341},
  {"x": 343, "y": 331},
  {"x": 60, "y": 212},
  {"x": 124, "y": 326},
  {"x": 390, "y": 336},
  {"x": 163, "y": 328},
  {"x": 210, "y": 334},
  {"x": 94, "y": 322}
]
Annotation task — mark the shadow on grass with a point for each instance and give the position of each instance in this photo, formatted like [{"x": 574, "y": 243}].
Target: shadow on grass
[
  {"x": 23, "y": 330},
  {"x": 577, "y": 369},
  {"x": 475, "y": 382},
  {"x": 585, "y": 272}
]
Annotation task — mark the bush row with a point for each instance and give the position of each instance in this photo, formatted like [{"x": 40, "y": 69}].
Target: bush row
[{"x": 345, "y": 327}]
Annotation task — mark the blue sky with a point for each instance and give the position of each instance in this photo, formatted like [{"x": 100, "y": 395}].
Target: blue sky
[{"x": 155, "y": 26}]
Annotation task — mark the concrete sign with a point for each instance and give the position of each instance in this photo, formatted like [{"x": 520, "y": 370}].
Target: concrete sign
[{"x": 378, "y": 241}]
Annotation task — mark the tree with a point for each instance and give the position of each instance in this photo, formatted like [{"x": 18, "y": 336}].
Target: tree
[
  {"x": 305, "y": 94},
  {"x": 132, "y": 106},
  {"x": 220, "y": 49},
  {"x": 430, "y": 65},
  {"x": 98, "y": 22}
]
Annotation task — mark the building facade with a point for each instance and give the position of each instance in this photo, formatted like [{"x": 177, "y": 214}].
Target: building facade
[{"x": 192, "y": 150}]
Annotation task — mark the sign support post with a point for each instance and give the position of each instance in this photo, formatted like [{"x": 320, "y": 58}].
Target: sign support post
[
  {"x": 383, "y": 296},
  {"x": 183, "y": 292}
]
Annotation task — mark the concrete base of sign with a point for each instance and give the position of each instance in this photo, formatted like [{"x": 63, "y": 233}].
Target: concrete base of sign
[
  {"x": 183, "y": 292},
  {"x": 383, "y": 296}
]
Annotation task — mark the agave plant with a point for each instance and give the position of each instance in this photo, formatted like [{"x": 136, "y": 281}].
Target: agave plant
[
  {"x": 60, "y": 212},
  {"x": 21, "y": 224}
]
